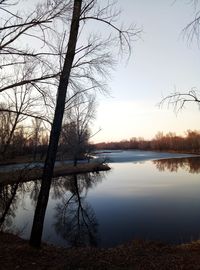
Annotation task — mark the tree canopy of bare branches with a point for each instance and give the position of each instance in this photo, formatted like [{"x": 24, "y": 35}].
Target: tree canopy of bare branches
[
  {"x": 54, "y": 50},
  {"x": 80, "y": 66}
]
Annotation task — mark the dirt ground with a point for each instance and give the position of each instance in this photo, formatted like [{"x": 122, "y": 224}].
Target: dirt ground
[{"x": 16, "y": 253}]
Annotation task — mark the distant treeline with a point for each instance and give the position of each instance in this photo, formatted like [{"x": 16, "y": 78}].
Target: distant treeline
[{"x": 190, "y": 143}]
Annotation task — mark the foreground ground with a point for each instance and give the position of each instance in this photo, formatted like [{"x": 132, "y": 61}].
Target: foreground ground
[{"x": 15, "y": 253}]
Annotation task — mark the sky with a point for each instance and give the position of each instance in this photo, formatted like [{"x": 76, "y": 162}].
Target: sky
[{"x": 162, "y": 61}]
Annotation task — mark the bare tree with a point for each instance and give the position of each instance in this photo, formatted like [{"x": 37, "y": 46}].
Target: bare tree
[
  {"x": 19, "y": 103},
  {"x": 5, "y": 119},
  {"x": 28, "y": 72},
  {"x": 75, "y": 133},
  {"x": 36, "y": 233},
  {"x": 82, "y": 12},
  {"x": 36, "y": 133}
]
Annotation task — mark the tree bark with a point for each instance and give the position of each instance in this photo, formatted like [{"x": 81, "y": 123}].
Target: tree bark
[{"x": 37, "y": 228}]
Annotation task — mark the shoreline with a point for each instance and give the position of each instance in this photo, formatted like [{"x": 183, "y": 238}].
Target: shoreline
[{"x": 32, "y": 174}]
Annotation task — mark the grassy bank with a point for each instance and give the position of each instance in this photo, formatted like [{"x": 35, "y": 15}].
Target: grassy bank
[
  {"x": 35, "y": 173},
  {"x": 15, "y": 253}
]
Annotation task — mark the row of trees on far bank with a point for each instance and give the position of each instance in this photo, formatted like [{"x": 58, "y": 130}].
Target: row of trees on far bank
[{"x": 189, "y": 143}]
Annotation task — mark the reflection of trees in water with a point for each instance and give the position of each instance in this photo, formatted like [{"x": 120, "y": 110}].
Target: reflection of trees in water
[
  {"x": 34, "y": 189},
  {"x": 192, "y": 164},
  {"x": 86, "y": 181},
  {"x": 8, "y": 204},
  {"x": 75, "y": 219},
  {"x": 11, "y": 196}
]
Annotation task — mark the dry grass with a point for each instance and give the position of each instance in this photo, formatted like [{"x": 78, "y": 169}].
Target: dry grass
[{"x": 15, "y": 253}]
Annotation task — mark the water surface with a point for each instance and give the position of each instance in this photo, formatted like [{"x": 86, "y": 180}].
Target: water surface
[{"x": 148, "y": 199}]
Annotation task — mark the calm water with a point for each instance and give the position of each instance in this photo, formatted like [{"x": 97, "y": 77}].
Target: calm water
[{"x": 140, "y": 197}]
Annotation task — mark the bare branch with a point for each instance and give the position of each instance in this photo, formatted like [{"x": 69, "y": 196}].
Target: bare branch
[
  {"x": 177, "y": 99},
  {"x": 26, "y": 114},
  {"x": 33, "y": 80}
]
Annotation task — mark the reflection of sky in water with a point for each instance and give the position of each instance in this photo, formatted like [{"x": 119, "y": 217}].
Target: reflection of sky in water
[
  {"x": 134, "y": 200},
  {"x": 140, "y": 201},
  {"x": 143, "y": 180}
]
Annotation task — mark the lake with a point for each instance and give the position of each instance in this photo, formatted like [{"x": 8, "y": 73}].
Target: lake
[{"x": 146, "y": 195}]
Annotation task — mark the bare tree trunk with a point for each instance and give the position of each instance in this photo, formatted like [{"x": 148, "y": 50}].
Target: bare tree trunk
[
  {"x": 5, "y": 149},
  {"x": 10, "y": 136},
  {"x": 37, "y": 228}
]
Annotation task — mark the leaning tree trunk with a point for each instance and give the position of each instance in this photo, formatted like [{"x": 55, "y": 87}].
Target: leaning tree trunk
[{"x": 37, "y": 228}]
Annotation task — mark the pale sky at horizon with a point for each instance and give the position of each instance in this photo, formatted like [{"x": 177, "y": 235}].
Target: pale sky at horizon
[{"x": 162, "y": 61}]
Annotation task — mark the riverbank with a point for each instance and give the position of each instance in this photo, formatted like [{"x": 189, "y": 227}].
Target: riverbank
[
  {"x": 15, "y": 253},
  {"x": 29, "y": 174}
]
